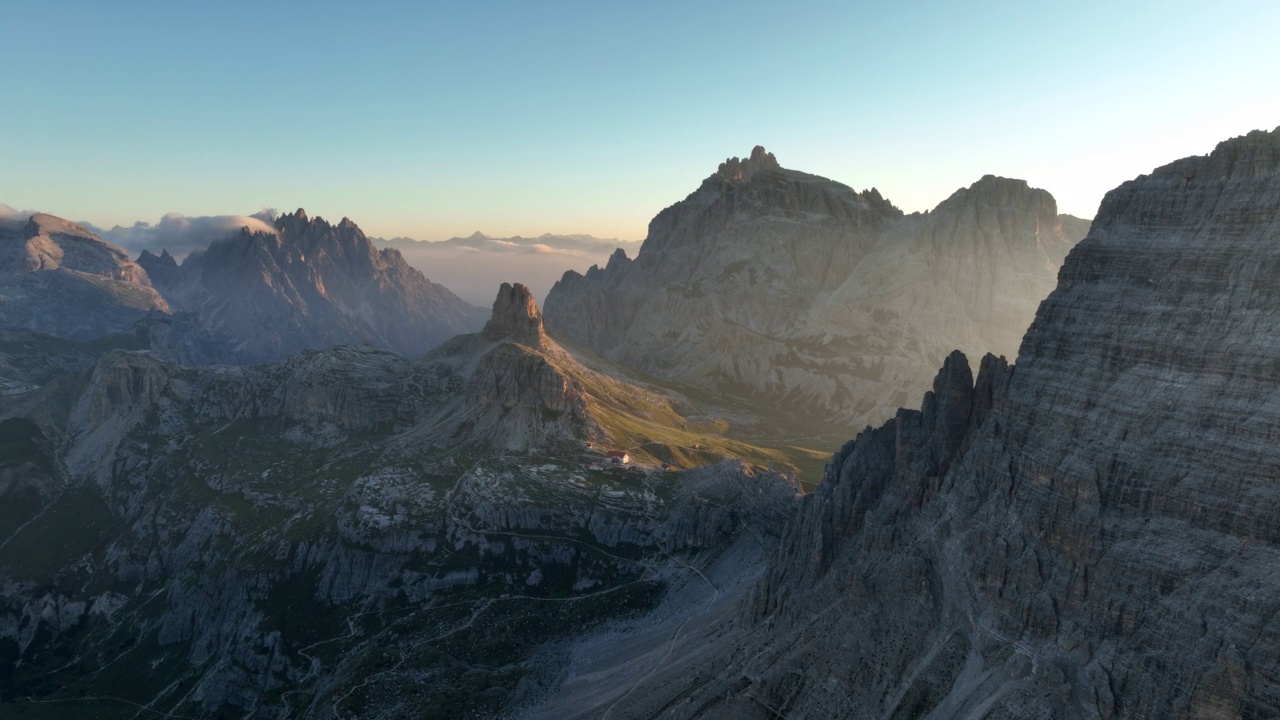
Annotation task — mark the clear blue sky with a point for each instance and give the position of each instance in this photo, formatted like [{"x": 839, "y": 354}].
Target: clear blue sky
[{"x": 432, "y": 119}]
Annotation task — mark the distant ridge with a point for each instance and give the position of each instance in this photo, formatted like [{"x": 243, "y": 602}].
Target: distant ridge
[
  {"x": 310, "y": 285},
  {"x": 516, "y": 243},
  {"x": 797, "y": 293}
]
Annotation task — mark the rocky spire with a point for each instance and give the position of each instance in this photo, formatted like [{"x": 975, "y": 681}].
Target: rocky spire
[
  {"x": 515, "y": 316},
  {"x": 736, "y": 170}
]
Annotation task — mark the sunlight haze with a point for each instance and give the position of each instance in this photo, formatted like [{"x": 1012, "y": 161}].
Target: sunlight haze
[{"x": 435, "y": 120}]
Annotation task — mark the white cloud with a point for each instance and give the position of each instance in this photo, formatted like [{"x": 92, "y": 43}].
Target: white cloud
[
  {"x": 181, "y": 234},
  {"x": 12, "y": 218},
  {"x": 473, "y": 267}
]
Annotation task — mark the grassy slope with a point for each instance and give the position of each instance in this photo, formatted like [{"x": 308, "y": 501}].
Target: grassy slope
[{"x": 644, "y": 418}]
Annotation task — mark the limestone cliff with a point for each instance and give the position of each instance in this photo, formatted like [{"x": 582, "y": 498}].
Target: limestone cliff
[
  {"x": 798, "y": 294},
  {"x": 1091, "y": 533}
]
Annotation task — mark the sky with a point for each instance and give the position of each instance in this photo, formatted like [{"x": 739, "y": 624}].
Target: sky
[{"x": 436, "y": 119}]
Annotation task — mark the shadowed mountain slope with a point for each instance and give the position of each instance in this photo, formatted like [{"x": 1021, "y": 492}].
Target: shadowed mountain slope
[
  {"x": 310, "y": 285},
  {"x": 1092, "y": 533},
  {"x": 814, "y": 301},
  {"x": 257, "y": 540},
  {"x": 59, "y": 279}
]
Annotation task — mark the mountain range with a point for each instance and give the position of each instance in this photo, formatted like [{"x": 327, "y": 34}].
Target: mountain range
[
  {"x": 596, "y": 513},
  {"x": 544, "y": 243},
  {"x": 1090, "y": 532},
  {"x": 58, "y": 278},
  {"x": 812, "y": 300},
  {"x": 257, "y": 539},
  {"x": 309, "y": 285},
  {"x": 250, "y": 295},
  {"x": 475, "y": 264}
]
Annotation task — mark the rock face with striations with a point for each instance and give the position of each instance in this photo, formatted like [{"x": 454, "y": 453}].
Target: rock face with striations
[
  {"x": 310, "y": 285},
  {"x": 774, "y": 285},
  {"x": 522, "y": 389},
  {"x": 60, "y": 279},
  {"x": 1092, "y": 533},
  {"x": 515, "y": 315}
]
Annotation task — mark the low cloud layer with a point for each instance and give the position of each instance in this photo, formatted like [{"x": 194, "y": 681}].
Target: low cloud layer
[
  {"x": 180, "y": 234},
  {"x": 11, "y": 217},
  {"x": 474, "y": 267}
]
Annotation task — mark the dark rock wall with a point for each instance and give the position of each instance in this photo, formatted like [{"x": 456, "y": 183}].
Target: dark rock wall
[{"x": 1091, "y": 534}]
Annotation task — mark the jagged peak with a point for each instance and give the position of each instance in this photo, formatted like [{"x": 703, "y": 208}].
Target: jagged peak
[
  {"x": 739, "y": 170},
  {"x": 515, "y": 316},
  {"x": 151, "y": 261},
  {"x": 299, "y": 218},
  {"x": 297, "y": 224}
]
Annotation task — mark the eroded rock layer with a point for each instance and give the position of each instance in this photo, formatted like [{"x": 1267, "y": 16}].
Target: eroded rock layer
[
  {"x": 797, "y": 293},
  {"x": 1094, "y": 533}
]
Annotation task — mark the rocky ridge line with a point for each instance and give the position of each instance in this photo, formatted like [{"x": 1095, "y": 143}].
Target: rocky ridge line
[
  {"x": 828, "y": 306},
  {"x": 1090, "y": 533}
]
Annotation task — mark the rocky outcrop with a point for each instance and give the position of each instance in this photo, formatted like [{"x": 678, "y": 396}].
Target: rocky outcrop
[
  {"x": 163, "y": 269},
  {"x": 311, "y": 285},
  {"x": 1090, "y": 533},
  {"x": 794, "y": 292},
  {"x": 58, "y": 278},
  {"x": 519, "y": 389},
  {"x": 258, "y": 540},
  {"x": 515, "y": 316}
]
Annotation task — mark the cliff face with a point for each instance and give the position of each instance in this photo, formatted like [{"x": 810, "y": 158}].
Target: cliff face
[
  {"x": 793, "y": 291},
  {"x": 1092, "y": 533},
  {"x": 311, "y": 285},
  {"x": 60, "y": 279}
]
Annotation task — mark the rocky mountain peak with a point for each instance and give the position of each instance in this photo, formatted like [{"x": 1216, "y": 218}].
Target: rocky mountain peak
[
  {"x": 1122, "y": 455},
  {"x": 618, "y": 258},
  {"x": 738, "y": 170},
  {"x": 968, "y": 274},
  {"x": 1241, "y": 169},
  {"x": 515, "y": 316},
  {"x": 45, "y": 224},
  {"x": 163, "y": 269},
  {"x": 1002, "y": 190},
  {"x": 61, "y": 279},
  {"x": 995, "y": 202},
  {"x": 309, "y": 284}
]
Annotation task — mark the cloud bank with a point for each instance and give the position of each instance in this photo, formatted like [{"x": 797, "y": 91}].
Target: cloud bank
[
  {"x": 11, "y": 218},
  {"x": 474, "y": 267},
  {"x": 181, "y": 234}
]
